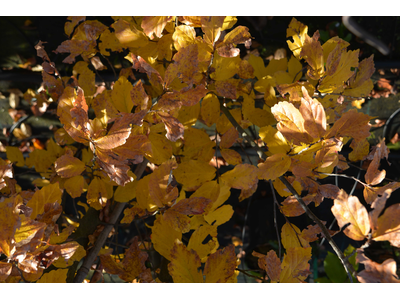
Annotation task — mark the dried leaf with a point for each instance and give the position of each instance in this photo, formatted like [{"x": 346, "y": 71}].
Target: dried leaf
[{"x": 220, "y": 266}]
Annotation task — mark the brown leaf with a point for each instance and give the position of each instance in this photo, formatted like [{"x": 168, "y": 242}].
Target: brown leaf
[
  {"x": 192, "y": 206},
  {"x": 373, "y": 176},
  {"x": 388, "y": 226},
  {"x": 174, "y": 128},
  {"x": 314, "y": 115},
  {"x": 374, "y": 272},
  {"x": 269, "y": 263}
]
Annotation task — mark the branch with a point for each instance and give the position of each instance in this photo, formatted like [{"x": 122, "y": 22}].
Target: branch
[
  {"x": 91, "y": 256},
  {"x": 348, "y": 267}
]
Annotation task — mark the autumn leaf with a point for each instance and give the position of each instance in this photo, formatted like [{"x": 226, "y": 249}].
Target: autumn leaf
[
  {"x": 68, "y": 166},
  {"x": 373, "y": 176},
  {"x": 163, "y": 237},
  {"x": 128, "y": 35},
  {"x": 388, "y": 226},
  {"x": 270, "y": 263},
  {"x": 348, "y": 209},
  {"x": 239, "y": 35},
  {"x": 220, "y": 266},
  {"x": 193, "y": 173},
  {"x": 314, "y": 115},
  {"x": 48, "y": 194},
  {"x": 9, "y": 221},
  {"x": 198, "y": 238},
  {"x": 185, "y": 264},
  {"x": 298, "y": 31},
  {"x": 291, "y": 123},
  {"x": 243, "y": 176},
  {"x": 274, "y": 166},
  {"x": 212, "y": 26},
  {"x": 154, "y": 26},
  {"x": 54, "y": 276},
  {"x": 312, "y": 52},
  {"x": 374, "y": 272}
]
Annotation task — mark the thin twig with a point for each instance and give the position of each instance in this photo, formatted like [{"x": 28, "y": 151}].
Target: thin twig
[
  {"x": 276, "y": 204},
  {"x": 91, "y": 256}
]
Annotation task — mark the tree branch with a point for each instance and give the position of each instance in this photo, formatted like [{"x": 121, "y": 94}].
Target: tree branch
[{"x": 91, "y": 256}]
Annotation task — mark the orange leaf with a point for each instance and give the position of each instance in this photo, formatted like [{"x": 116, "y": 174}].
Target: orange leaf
[
  {"x": 314, "y": 115},
  {"x": 68, "y": 166},
  {"x": 388, "y": 226},
  {"x": 274, "y": 166},
  {"x": 312, "y": 52},
  {"x": 348, "y": 209},
  {"x": 172, "y": 125}
]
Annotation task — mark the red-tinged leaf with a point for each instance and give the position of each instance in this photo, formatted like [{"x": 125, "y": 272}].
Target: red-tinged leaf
[
  {"x": 187, "y": 63},
  {"x": 134, "y": 148},
  {"x": 5, "y": 270},
  {"x": 9, "y": 222},
  {"x": 274, "y": 166},
  {"x": 154, "y": 26},
  {"x": 227, "y": 88},
  {"x": 374, "y": 272},
  {"x": 291, "y": 123},
  {"x": 74, "y": 47},
  {"x": 192, "y": 96},
  {"x": 229, "y": 138},
  {"x": 185, "y": 265},
  {"x": 269, "y": 263},
  {"x": 116, "y": 170},
  {"x": 120, "y": 130},
  {"x": 348, "y": 209},
  {"x": 142, "y": 66},
  {"x": 139, "y": 96},
  {"x": 373, "y": 176},
  {"x": 243, "y": 176},
  {"x": 220, "y": 266},
  {"x": 388, "y": 226},
  {"x": 292, "y": 208},
  {"x": 352, "y": 123},
  {"x": 192, "y": 206},
  {"x": 68, "y": 166},
  {"x": 329, "y": 191},
  {"x": 314, "y": 115},
  {"x": 239, "y": 35},
  {"x": 55, "y": 88},
  {"x": 174, "y": 128}
]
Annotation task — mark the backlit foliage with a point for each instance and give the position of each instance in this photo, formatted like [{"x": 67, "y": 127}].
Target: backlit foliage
[{"x": 185, "y": 71}]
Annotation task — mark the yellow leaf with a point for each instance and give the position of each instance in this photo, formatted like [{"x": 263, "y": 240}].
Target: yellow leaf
[
  {"x": 282, "y": 189},
  {"x": 291, "y": 123},
  {"x": 79, "y": 253},
  {"x": 223, "y": 124},
  {"x": 48, "y": 194},
  {"x": 225, "y": 67},
  {"x": 312, "y": 52},
  {"x": 62, "y": 236},
  {"x": 127, "y": 192},
  {"x": 163, "y": 237},
  {"x": 258, "y": 66},
  {"x": 143, "y": 196},
  {"x": 348, "y": 209},
  {"x": 231, "y": 156},
  {"x": 298, "y": 31},
  {"x": 27, "y": 230},
  {"x": 188, "y": 115},
  {"x": 97, "y": 193},
  {"x": 40, "y": 159},
  {"x": 210, "y": 110},
  {"x": 199, "y": 236},
  {"x": 161, "y": 149},
  {"x": 197, "y": 145},
  {"x": 128, "y": 35},
  {"x": 257, "y": 116},
  {"x": 55, "y": 276},
  {"x": 121, "y": 95},
  {"x": 291, "y": 237},
  {"x": 183, "y": 36},
  {"x": 344, "y": 64},
  {"x": 220, "y": 266},
  {"x": 193, "y": 173},
  {"x": 185, "y": 264},
  {"x": 243, "y": 176},
  {"x": 294, "y": 69},
  {"x": 75, "y": 186},
  {"x": 86, "y": 79},
  {"x": 274, "y": 139},
  {"x": 295, "y": 266},
  {"x": 15, "y": 155},
  {"x": 219, "y": 216},
  {"x": 274, "y": 166},
  {"x": 211, "y": 26},
  {"x": 276, "y": 65}
]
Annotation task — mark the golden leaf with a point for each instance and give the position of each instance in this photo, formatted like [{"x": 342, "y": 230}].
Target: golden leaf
[{"x": 220, "y": 266}]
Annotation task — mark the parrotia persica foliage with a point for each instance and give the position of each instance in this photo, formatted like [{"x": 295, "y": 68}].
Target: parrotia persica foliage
[{"x": 190, "y": 71}]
